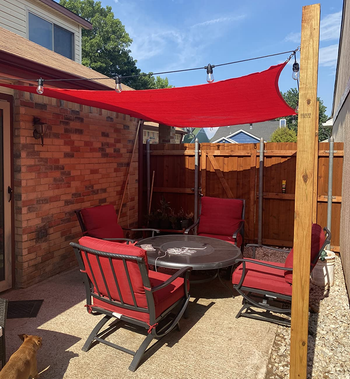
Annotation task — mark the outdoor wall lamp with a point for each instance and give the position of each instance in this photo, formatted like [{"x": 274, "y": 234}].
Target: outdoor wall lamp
[{"x": 40, "y": 129}]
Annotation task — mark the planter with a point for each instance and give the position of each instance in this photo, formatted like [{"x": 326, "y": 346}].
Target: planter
[{"x": 323, "y": 273}]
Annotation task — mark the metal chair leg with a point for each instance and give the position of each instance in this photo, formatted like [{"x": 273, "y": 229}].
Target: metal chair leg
[
  {"x": 94, "y": 332},
  {"x": 135, "y": 362}
]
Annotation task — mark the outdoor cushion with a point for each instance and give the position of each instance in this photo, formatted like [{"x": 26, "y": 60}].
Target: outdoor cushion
[
  {"x": 220, "y": 216},
  {"x": 225, "y": 238},
  {"x": 263, "y": 277},
  {"x": 102, "y": 222},
  {"x": 317, "y": 240}
]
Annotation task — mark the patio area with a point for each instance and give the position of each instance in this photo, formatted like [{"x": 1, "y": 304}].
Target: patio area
[{"x": 212, "y": 343}]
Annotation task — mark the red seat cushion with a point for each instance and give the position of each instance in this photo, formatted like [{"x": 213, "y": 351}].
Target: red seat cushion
[
  {"x": 225, "y": 238},
  {"x": 263, "y": 278},
  {"x": 317, "y": 240},
  {"x": 162, "y": 298},
  {"x": 102, "y": 222},
  {"x": 220, "y": 216}
]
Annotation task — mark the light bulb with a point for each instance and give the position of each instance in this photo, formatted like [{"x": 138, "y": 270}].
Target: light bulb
[
  {"x": 210, "y": 75},
  {"x": 118, "y": 85},
  {"x": 40, "y": 87},
  {"x": 295, "y": 74}
]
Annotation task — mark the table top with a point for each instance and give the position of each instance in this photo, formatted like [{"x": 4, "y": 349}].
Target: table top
[{"x": 201, "y": 253}]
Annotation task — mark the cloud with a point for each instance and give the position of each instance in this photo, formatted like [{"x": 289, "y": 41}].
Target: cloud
[
  {"x": 329, "y": 29},
  {"x": 219, "y": 20},
  {"x": 328, "y": 56},
  {"x": 293, "y": 37}
]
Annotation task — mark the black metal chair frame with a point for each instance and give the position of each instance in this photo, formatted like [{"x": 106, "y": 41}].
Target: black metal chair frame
[
  {"x": 157, "y": 328},
  {"x": 86, "y": 233},
  {"x": 266, "y": 300},
  {"x": 234, "y": 235}
]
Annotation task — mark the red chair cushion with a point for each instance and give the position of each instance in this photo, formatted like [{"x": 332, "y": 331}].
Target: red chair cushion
[
  {"x": 225, "y": 238},
  {"x": 220, "y": 216},
  {"x": 317, "y": 240},
  {"x": 102, "y": 222},
  {"x": 263, "y": 278},
  {"x": 162, "y": 299}
]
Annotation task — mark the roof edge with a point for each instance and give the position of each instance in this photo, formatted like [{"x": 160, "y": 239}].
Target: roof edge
[{"x": 66, "y": 12}]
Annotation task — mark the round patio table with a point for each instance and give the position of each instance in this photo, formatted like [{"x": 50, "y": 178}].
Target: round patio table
[{"x": 200, "y": 253}]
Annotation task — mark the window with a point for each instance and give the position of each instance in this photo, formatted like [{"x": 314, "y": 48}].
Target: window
[{"x": 51, "y": 36}]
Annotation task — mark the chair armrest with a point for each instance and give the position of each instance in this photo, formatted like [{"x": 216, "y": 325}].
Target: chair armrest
[
  {"x": 240, "y": 228},
  {"x": 243, "y": 260},
  {"x": 191, "y": 227},
  {"x": 185, "y": 270}
]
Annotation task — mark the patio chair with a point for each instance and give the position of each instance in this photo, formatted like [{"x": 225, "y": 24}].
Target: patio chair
[
  {"x": 267, "y": 286},
  {"x": 120, "y": 286},
  {"x": 102, "y": 222},
  {"x": 222, "y": 219}
]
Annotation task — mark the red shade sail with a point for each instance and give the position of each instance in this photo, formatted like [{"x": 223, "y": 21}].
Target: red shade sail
[{"x": 248, "y": 99}]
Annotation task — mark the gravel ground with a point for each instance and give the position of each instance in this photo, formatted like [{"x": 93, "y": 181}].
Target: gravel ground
[{"x": 329, "y": 325}]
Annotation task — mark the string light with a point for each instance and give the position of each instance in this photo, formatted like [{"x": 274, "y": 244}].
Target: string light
[
  {"x": 118, "y": 85},
  {"x": 295, "y": 74},
  {"x": 118, "y": 78},
  {"x": 210, "y": 75},
  {"x": 40, "y": 87}
]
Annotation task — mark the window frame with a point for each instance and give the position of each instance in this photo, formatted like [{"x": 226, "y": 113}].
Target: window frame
[{"x": 53, "y": 24}]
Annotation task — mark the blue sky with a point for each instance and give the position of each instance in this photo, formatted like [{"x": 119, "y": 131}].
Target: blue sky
[{"x": 180, "y": 34}]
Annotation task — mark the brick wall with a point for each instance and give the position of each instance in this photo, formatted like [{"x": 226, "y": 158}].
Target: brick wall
[{"x": 83, "y": 163}]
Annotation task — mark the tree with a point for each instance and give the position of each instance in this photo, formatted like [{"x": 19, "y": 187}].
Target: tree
[
  {"x": 105, "y": 48},
  {"x": 292, "y": 99},
  {"x": 284, "y": 134}
]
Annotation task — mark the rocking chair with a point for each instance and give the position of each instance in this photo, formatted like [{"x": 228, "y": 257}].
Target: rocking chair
[
  {"x": 120, "y": 286},
  {"x": 267, "y": 286}
]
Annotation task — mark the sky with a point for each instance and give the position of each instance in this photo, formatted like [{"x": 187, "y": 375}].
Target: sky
[{"x": 181, "y": 34}]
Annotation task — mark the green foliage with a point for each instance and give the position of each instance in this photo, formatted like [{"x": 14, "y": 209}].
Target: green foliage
[
  {"x": 292, "y": 98},
  {"x": 284, "y": 135},
  {"x": 105, "y": 48}
]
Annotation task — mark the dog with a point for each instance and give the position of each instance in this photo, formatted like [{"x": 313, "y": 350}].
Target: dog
[{"x": 22, "y": 363}]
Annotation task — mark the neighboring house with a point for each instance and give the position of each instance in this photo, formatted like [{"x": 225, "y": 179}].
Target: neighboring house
[
  {"x": 196, "y": 133},
  {"x": 246, "y": 133},
  {"x": 84, "y": 159},
  {"x": 341, "y": 133},
  {"x": 46, "y": 23},
  {"x": 151, "y": 132}
]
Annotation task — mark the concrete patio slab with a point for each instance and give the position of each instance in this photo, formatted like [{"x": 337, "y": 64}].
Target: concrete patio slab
[{"x": 212, "y": 343}]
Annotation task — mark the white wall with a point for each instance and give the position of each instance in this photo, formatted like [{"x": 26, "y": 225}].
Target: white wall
[{"x": 14, "y": 17}]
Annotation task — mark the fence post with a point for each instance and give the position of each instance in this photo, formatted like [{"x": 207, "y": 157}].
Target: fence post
[
  {"x": 196, "y": 160},
  {"x": 261, "y": 179},
  {"x": 330, "y": 185},
  {"x": 148, "y": 163}
]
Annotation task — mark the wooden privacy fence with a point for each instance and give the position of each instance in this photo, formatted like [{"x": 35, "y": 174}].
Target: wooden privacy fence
[{"x": 232, "y": 171}]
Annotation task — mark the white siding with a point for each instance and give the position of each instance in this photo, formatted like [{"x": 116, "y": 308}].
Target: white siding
[{"x": 14, "y": 17}]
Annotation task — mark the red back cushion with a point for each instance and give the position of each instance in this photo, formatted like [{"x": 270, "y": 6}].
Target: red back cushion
[
  {"x": 317, "y": 240},
  {"x": 102, "y": 222},
  {"x": 96, "y": 277},
  {"x": 220, "y": 216}
]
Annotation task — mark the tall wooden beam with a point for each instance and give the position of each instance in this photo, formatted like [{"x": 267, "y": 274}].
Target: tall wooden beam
[
  {"x": 310, "y": 31},
  {"x": 315, "y": 196}
]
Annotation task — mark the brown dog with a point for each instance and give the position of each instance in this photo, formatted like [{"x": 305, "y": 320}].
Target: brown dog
[{"x": 22, "y": 363}]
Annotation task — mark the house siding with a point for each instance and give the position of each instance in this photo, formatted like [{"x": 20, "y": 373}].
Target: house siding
[
  {"x": 243, "y": 138},
  {"x": 14, "y": 17},
  {"x": 341, "y": 132},
  {"x": 83, "y": 163}
]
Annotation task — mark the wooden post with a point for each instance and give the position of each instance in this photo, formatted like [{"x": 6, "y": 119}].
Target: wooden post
[
  {"x": 305, "y": 171},
  {"x": 315, "y": 191}
]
